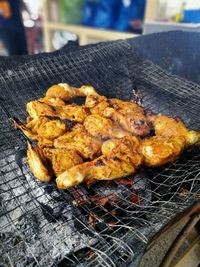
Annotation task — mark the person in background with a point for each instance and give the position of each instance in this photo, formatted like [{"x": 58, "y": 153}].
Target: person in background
[
  {"x": 120, "y": 15},
  {"x": 12, "y": 32},
  {"x": 131, "y": 16}
]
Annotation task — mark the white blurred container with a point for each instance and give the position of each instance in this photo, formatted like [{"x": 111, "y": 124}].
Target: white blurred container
[{"x": 167, "y": 9}]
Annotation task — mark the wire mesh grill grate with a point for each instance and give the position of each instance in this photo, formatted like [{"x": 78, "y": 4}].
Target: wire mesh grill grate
[{"x": 41, "y": 225}]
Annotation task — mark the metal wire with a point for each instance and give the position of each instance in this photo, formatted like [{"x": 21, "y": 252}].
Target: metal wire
[{"x": 41, "y": 225}]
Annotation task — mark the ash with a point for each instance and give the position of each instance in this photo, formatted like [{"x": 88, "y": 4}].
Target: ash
[{"x": 37, "y": 225}]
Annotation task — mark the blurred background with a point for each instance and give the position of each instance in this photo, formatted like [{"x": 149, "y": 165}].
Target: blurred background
[{"x": 45, "y": 25}]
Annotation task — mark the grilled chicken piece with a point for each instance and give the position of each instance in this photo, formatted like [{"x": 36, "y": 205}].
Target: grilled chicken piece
[
  {"x": 52, "y": 129},
  {"x": 159, "y": 150},
  {"x": 34, "y": 124},
  {"x": 87, "y": 90},
  {"x": 172, "y": 137},
  {"x": 125, "y": 144},
  {"x": 129, "y": 116},
  {"x": 38, "y": 109},
  {"x": 122, "y": 160},
  {"x": 62, "y": 91},
  {"x": 81, "y": 141},
  {"x": 26, "y": 131},
  {"x": 67, "y": 92},
  {"x": 173, "y": 127},
  {"x": 53, "y": 101},
  {"x": 43, "y": 142},
  {"x": 38, "y": 164},
  {"x": 97, "y": 104},
  {"x": 72, "y": 112},
  {"x": 42, "y": 128},
  {"x": 125, "y": 107},
  {"x": 102, "y": 128},
  {"x": 53, "y": 105},
  {"x": 30, "y": 129},
  {"x": 62, "y": 159}
]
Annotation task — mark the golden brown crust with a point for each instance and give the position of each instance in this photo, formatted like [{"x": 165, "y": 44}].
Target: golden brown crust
[{"x": 108, "y": 140}]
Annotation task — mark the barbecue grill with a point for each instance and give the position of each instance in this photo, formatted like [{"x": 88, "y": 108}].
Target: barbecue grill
[{"x": 107, "y": 224}]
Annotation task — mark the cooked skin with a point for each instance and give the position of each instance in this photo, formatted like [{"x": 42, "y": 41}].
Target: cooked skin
[
  {"x": 126, "y": 145},
  {"x": 42, "y": 129},
  {"x": 159, "y": 150},
  {"x": 102, "y": 128},
  {"x": 98, "y": 126},
  {"x": 125, "y": 106},
  {"x": 96, "y": 104},
  {"x": 102, "y": 168},
  {"x": 38, "y": 109},
  {"x": 26, "y": 131},
  {"x": 43, "y": 142},
  {"x": 34, "y": 124},
  {"x": 173, "y": 127},
  {"x": 38, "y": 164},
  {"x": 52, "y": 129},
  {"x": 87, "y": 90},
  {"x": 108, "y": 139},
  {"x": 120, "y": 162},
  {"x": 62, "y": 91},
  {"x": 62, "y": 159},
  {"x": 72, "y": 112},
  {"x": 129, "y": 116},
  {"x": 31, "y": 129},
  {"x": 81, "y": 141},
  {"x": 53, "y": 101},
  {"x": 67, "y": 92}
]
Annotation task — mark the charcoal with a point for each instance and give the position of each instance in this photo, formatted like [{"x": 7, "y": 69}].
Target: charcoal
[{"x": 42, "y": 227}]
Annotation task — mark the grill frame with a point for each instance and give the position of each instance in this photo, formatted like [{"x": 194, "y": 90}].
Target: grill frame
[{"x": 125, "y": 69}]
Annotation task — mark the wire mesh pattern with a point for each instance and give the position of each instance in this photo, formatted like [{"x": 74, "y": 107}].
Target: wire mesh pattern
[{"x": 43, "y": 226}]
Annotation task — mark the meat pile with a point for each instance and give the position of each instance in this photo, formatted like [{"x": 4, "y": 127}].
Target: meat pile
[{"x": 107, "y": 139}]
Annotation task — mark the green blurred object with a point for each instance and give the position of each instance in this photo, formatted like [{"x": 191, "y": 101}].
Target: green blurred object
[{"x": 71, "y": 11}]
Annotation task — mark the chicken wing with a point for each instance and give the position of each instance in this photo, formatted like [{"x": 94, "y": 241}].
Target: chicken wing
[
  {"x": 159, "y": 150},
  {"x": 66, "y": 92},
  {"x": 119, "y": 162},
  {"x": 173, "y": 127},
  {"x": 42, "y": 128},
  {"x": 26, "y": 131},
  {"x": 62, "y": 91},
  {"x": 62, "y": 159},
  {"x": 38, "y": 164},
  {"x": 79, "y": 139},
  {"x": 34, "y": 124},
  {"x": 53, "y": 105}
]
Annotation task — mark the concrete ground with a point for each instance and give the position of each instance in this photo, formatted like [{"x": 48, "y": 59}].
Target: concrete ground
[{"x": 153, "y": 256}]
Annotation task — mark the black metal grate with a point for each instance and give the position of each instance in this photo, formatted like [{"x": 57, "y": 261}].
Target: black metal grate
[{"x": 43, "y": 226}]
